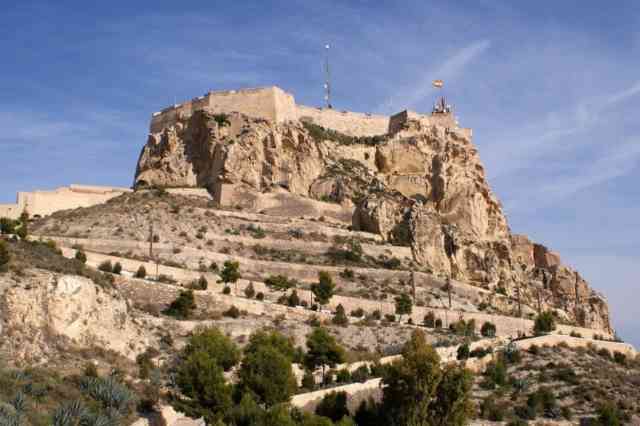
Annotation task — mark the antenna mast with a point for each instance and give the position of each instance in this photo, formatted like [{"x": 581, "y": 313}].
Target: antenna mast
[{"x": 327, "y": 83}]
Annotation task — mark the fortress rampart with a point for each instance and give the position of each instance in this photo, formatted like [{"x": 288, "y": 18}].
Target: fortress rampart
[
  {"x": 274, "y": 104},
  {"x": 43, "y": 203}
]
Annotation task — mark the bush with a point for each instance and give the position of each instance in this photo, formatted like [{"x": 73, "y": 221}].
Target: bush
[
  {"x": 343, "y": 376},
  {"x": 105, "y": 266},
  {"x": 361, "y": 374},
  {"x": 488, "y": 329},
  {"x": 340, "y": 317},
  {"x": 260, "y": 296},
  {"x": 495, "y": 374},
  {"x": 491, "y": 410},
  {"x": 249, "y": 291},
  {"x": 333, "y": 406},
  {"x": 226, "y": 290},
  {"x": 429, "y": 320},
  {"x": 542, "y": 401},
  {"x": 182, "y": 306},
  {"x": 463, "y": 351},
  {"x": 202, "y": 283},
  {"x": 544, "y": 323},
  {"x": 357, "y": 313},
  {"x": 280, "y": 282},
  {"x": 232, "y": 312},
  {"x": 117, "y": 268},
  {"x": 141, "y": 272},
  {"x": 347, "y": 274},
  {"x": 230, "y": 272},
  {"x": 293, "y": 300},
  {"x": 390, "y": 317},
  {"x": 81, "y": 256},
  {"x": 5, "y": 257},
  {"x": 609, "y": 415},
  {"x": 438, "y": 323},
  {"x": 308, "y": 381},
  {"x": 534, "y": 349},
  {"x": 620, "y": 358}
]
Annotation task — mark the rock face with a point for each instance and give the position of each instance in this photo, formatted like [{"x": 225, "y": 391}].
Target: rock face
[
  {"x": 53, "y": 311},
  {"x": 421, "y": 185}
]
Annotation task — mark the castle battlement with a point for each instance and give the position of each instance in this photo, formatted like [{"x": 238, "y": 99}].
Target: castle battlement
[{"x": 274, "y": 104}]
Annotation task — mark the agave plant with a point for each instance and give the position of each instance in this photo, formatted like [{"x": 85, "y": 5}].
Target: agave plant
[
  {"x": 114, "y": 396},
  {"x": 69, "y": 414},
  {"x": 8, "y": 415}
]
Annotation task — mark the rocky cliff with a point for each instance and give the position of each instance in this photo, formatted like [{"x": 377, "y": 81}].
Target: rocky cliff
[{"x": 420, "y": 185}]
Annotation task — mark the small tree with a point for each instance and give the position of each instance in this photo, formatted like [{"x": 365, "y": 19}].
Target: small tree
[
  {"x": 141, "y": 272},
  {"x": 544, "y": 323},
  {"x": 117, "y": 268},
  {"x": 182, "y": 306},
  {"x": 324, "y": 288},
  {"x": 488, "y": 329},
  {"x": 249, "y": 291},
  {"x": 280, "y": 282},
  {"x": 22, "y": 231},
  {"x": 340, "y": 317},
  {"x": 404, "y": 305},
  {"x": 5, "y": 256},
  {"x": 230, "y": 273},
  {"x": 81, "y": 256},
  {"x": 203, "y": 284},
  {"x": 463, "y": 351},
  {"x": 322, "y": 350}
]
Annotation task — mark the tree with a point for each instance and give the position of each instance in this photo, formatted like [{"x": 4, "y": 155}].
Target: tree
[
  {"x": 463, "y": 351},
  {"x": 333, "y": 406},
  {"x": 488, "y": 329},
  {"x": 249, "y": 291},
  {"x": 323, "y": 289},
  {"x": 322, "y": 350},
  {"x": 5, "y": 256},
  {"x": 117, "y": 268},
  {"x": 105, "y": 266},
  {"x": 200, "y": 378},
  {"x": 404, "y": 305},
  {"x": 22, "y": 231},
  {"x": 7, "y": 226},
  {"x": 340, "y": 317},
  {"x": 213, "y": 342},
  {"x": 273, "y": 338},
  {"x": 182, "y": 306},
  {"x": 266, "y": 373},
  {"x": 230, "y": 272},
  {"x": 417, "y": 392},
  {"x": 544, "y": 323}
]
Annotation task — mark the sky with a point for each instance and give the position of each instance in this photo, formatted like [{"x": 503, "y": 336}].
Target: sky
[{"x": 551, "y": 90}]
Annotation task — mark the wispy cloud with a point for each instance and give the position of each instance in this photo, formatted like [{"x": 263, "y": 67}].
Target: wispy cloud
[{"x": 449, "y": 70}]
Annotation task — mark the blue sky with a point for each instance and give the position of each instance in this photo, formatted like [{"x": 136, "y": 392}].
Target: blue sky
[{"x": 551, "y": 89}]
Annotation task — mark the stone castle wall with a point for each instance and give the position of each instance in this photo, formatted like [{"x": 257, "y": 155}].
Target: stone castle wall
[
  {"x": 43, "y": 203},
  {"x": 273, "y": 103}
]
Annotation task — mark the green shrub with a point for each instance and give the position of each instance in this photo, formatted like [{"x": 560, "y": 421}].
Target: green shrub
[
  {"x": 347, "y": 274},
  {"x": 333, "y": 406},
  {"x": 182, "y": 306},
  {"x": 544, "y": 323},
  {"x": 260, "y": 296},
  {"x": 491, "y": 410},
  {"x": 620, "y": 358},
  {"x": 141, "y": 272},
  {"x": 117, "y": 268},
  {"x": 105, "y": 266},
  {"x": 438, "y": 323},
  {"x": 495, "y": 375},
  {"x": 463, "y": 352},
  {"x": 358, "y": 313},
  {"x": 81, "y": 256},
  {"x": 488, "y": 329},
  {"x": 280, "y": 282},
  {"x": 5, "y": 256},
  {"x": 308, "y": 381},
  {"x": 226, "y": 290},
  {"x": 249, "y": 291},
  {"x": 232, "y": 312},
  {"x": 340, "y": 317},
  {"x": 343, "y": 376},
  {"x": 230, "y": 272},
  {"x": 361, "y": 374}
]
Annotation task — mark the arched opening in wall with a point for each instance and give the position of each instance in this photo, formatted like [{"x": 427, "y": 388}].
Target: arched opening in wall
[{"x": 366, "y": 155}]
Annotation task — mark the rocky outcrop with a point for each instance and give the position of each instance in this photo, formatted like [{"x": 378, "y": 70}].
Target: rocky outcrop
[
  {"x": 423, "y": 186},
  {"x": 47, "y": 311}
]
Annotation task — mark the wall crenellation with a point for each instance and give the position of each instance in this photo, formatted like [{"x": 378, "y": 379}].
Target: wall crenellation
[{"x": 273, "y": 103}]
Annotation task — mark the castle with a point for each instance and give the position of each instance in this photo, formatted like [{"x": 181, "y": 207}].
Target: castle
[
  {"x": 274, "y": 104},
  {"x": 269, "y": 103}
]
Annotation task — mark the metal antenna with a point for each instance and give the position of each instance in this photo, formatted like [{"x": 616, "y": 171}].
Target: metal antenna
[{"x": 327, "y": 84}]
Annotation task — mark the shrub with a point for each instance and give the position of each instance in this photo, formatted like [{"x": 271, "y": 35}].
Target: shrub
[
  {"x": 182, "y": 306},
  {"x": 141, "y": 272},
  {"x": 226, "y": 290},
  {"x": 230, "y": 272},
  {"x": 333, "y": 406},
  {"x": 5, "y": 257},
  {"x": 542, "y": 401},
  {"x": 81, "y": 256},
  {"x": 249, "y": 291},
  {"x": 544, "y": 323},
  {"x": 463, "y": 351},
  {"x": 495, "y": 374},
  {"x": 603, "y": 352},
  {"x": 609, "y": 415},
  {"x": 90, "y": 370},
  {"x": 438, "y": 323},
  {"x": 429, "y": 320},
  {"x": 340, "y": 317},
  {"x": 361, "y": 374},
  {"x": 534, "y": 349},
  {"x": 390, "y": 317},
  {"x": 324, "y": 288},
  {"x": 343, "y": 376},
  {"x": 357, "y": 313},
  {"x": 280, "y": 282},
  {"x": 347, "y": 274},
  {"x": 488, "y": 329},
  {"x": 575, "y": 334},
  {"x": 260, "y": 296},
  {"x": 620, "y": 358},
  {"x": 308, "y": 381},
  {"x": 117, "y": 268},
  {"x": 376, "y": 314},
  {"x": 232, "y": 312},
  {"x": 105, "y": 266},
  {"x": 491, "y": 410}
]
